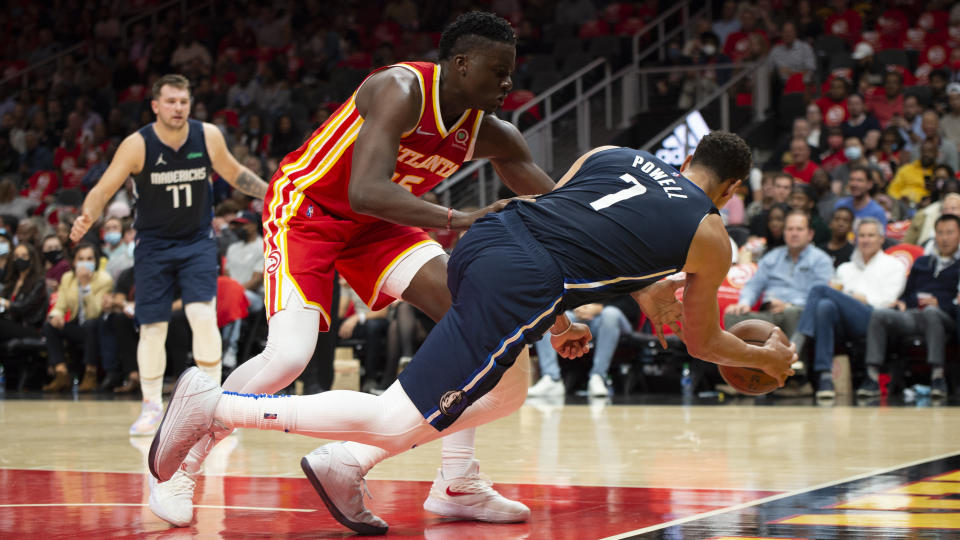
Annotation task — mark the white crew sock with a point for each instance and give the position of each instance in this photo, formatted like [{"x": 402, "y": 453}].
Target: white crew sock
[{"x": 457, "y": 453}]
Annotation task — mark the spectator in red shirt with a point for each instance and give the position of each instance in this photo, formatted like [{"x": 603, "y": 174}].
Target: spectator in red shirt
[
  {"x": 887, "y": 102},
  {"x": 833, "y": 105},
  {"x": 802, "y": 168},
  {"x": 737, "y": 46},
  {"x": 844, "y": 22}
]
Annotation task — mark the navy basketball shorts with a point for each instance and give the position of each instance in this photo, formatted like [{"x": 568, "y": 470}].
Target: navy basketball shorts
[
  {"x": 160, "y": 264},
  {"x": 506, "y": 293}
]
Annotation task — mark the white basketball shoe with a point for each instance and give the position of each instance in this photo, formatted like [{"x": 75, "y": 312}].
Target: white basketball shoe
[
  {"x": 189, "y": 416},
  {"x": 149, "y": 419},
  {"x": 472, "y": 496},
  {"x": 335, "y": 474},
  {"x": 172, "y": 501}
]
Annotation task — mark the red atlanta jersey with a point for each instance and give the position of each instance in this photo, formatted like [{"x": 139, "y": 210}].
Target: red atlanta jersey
[{"x": 320, "y": 169}]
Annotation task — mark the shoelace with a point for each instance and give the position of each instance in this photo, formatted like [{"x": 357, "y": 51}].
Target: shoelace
[
  {"x": 474, "y": 483},
  {"x": 181, "y": 484},
  {"x": 364, "y": 489}
]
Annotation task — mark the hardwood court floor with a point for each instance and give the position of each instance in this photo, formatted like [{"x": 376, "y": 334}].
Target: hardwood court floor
[{"x": 69, "y": 470}]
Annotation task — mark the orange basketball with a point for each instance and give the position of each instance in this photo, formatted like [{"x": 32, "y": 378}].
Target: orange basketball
[{"x": 751, "y": 381}]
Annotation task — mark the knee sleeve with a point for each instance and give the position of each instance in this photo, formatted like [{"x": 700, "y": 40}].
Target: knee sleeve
[
  {"x": 151, "y": 350},
  {"x": 202, "y": 317}
]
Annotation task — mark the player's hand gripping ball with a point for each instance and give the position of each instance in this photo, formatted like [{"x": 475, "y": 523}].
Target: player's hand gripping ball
[{"x": 747, "y": 380}]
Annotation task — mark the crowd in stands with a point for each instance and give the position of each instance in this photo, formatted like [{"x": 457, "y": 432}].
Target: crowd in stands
[{"x": 867, "y": 96}]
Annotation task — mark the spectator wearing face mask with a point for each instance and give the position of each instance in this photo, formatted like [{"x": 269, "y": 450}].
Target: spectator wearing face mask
[
  {"x": 55, "y": 265},
  {"x": 118, "y": 244},
  {"x": 855, "y": 156},
  {"x": 23, "y": 300},
  {"x": 74, "y": 319}
]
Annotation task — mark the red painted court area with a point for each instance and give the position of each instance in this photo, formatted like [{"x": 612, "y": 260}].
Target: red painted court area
[{"x": 54, "y": 504}]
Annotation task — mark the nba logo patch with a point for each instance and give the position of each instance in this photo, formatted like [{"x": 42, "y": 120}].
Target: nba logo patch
[
  {"x": 269, "y": 416},
  {"x": 310, "y": 211}
]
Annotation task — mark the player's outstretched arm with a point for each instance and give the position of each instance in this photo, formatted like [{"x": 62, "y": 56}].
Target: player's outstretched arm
[
  {"x": 502, "y": 143},
  {"x": 707, "y": 264},
  {"x": 389, "y": 102},
  {"x": 228, "y": 167},
  {"x": 126, "y": 161}
]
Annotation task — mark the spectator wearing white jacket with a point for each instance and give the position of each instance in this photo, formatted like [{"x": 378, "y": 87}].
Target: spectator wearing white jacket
[{"x": 871, "y": 279}]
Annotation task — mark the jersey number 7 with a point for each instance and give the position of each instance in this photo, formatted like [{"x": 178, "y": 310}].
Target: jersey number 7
[{"x": 609, "y": 200}]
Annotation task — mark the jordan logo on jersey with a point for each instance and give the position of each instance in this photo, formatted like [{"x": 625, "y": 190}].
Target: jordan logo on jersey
[{"x": 160, "y": 160}]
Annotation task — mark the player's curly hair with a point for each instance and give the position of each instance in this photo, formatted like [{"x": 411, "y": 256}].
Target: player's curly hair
[
  {"x": 724, "y": 153},
  {"x": 474, "y": 24}
]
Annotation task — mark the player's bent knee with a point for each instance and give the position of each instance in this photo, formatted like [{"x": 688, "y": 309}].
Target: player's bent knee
[{"x": 289, "y": 355}]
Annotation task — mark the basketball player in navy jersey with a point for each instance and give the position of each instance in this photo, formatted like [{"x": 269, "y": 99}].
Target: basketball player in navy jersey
[
  {"x": 170, "y": 161},
  {"x": 618, "y": 222}
]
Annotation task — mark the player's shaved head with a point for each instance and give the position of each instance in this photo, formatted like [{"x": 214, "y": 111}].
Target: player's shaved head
[
  {"x": 471, "y": 30},
  {"x": 725, "y": 154}
]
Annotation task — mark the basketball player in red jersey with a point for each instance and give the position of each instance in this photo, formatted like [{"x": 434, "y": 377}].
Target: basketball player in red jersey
[{"x": 348, "y": 200}]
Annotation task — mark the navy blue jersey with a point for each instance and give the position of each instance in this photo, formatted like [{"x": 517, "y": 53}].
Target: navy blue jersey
[
  {"x": 625, "y": 220},
  {"x": 173, "y": 190}
]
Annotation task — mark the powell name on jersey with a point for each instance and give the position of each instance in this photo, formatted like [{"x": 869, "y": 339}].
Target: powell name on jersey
[{"x": 625, "y": 220}]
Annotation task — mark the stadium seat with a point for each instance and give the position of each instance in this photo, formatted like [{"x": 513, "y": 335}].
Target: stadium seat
[
  {"x": 826, "y": 45},
  {"x": 617, "y": 11},
  {"x": 606, "y": 46},
  {"x": 552, "y": 32},
  {"x": 567, "y": 46},
  {"x": 840, "y": 60},
  {"x": 892, "y": 57},
  {"x": 575, "y": 61},
  {"x": 592, "y": 29},
  {"x": 791, "y": 106},
  {"x": 543, "y": 80},
  {"x": 923, "y": 93}
]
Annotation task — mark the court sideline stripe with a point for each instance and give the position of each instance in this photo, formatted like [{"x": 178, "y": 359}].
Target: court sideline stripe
[
  {"x": 298, "y": 474},
  {"x": 772, "y": 498},
  {"x": 55, "y": 505}
]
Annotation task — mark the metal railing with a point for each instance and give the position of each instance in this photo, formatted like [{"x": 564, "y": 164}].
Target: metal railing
[
  {"x": 663, "y": 36},
  {"x": 759, "y": 70},
  {"x": 540, "y": 135}
]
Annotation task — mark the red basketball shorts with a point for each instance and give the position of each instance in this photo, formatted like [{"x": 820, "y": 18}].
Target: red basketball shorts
[{"x": 302, "y": 252}]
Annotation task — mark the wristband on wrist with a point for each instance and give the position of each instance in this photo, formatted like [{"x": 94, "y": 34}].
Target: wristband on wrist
[
  {"x": 567, "y": 329},
  {"x": 361, "y": 317},
  {"x": 449, "y": 217}
]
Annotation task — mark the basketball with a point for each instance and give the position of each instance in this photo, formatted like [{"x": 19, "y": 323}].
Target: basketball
[{"x": 751, "y": 381}]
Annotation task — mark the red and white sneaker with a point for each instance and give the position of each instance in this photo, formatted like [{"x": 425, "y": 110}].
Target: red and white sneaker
[{"x": 472, "y": 496}]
